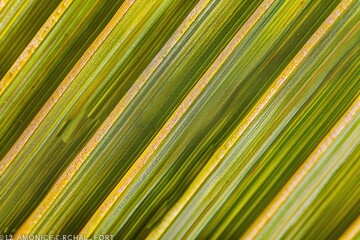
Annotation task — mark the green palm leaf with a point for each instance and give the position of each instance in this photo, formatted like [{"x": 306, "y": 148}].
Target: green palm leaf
[{"x": 172, "y": 119}]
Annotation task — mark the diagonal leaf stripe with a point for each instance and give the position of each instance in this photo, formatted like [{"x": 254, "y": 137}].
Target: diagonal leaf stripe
[
  {"x": 309, "y": 164},
  {"x": 246, "y": 122},
  {"x": 174, "y": 119},
  {"x": 353, "y": 231},
  {"x": 33, "y": 45}
]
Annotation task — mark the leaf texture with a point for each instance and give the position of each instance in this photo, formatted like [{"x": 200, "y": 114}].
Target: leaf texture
[{"x": 170, "y": 119}]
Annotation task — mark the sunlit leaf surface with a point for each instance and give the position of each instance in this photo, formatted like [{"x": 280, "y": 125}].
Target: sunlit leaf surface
[{"x": 173, "y": 119}]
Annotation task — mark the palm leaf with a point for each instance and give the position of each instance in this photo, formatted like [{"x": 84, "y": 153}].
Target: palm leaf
[{"x": 180, "y": 119}]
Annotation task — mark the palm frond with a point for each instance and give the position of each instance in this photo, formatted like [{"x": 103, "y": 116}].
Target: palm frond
[{"x": 178, "y": 119}]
